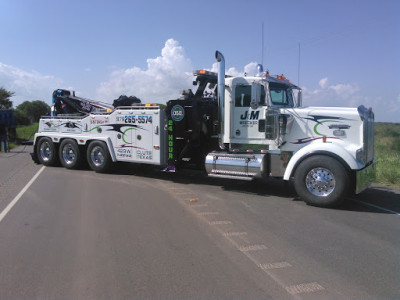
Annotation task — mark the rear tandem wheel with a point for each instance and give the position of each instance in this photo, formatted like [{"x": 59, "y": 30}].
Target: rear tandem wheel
[
  {"x": 46, "y": 152},
  {"x": 69, "y": 154},
  {"x": 98, "y": 157}
]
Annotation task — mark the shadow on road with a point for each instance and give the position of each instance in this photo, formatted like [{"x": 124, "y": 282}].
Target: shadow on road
[{"x": 376, "y": 199}]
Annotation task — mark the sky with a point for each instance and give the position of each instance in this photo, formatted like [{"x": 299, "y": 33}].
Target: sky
[{"x": 341, "y": 53}]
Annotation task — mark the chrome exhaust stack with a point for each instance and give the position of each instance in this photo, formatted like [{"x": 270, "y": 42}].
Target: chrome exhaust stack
[{"x": 221, "y": 96}]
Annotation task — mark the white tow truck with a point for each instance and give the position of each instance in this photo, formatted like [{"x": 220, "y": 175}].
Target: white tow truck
[{"x": 231, "y": 127}]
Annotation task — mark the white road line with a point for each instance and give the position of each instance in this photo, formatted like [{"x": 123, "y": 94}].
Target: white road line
[
  {"x": 276, "y": 265},
  {"x": 252, "y": 248},
  {"x": 199, "y": 205},
  {"x": 235, "y": 233},
  {"x": 376, "y": 206},
  {"x": 304, "y": 288},
  {"x": 220, "y": 223},
  {"x": 208, "y": 213},
  {"x": 15, "y": 200}
]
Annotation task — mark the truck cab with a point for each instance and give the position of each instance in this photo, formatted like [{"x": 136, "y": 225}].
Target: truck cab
[
  {"x": 266, "y": 133},
  {"x": 253, "y": 110}
]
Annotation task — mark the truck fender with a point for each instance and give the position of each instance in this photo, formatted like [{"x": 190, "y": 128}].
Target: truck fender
[
  {"x": 38, "y": 135},
  {"x": 333, "y": 150},
  {"x": 111, "y": 149}
]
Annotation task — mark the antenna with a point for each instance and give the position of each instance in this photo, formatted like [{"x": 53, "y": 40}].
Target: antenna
[
  {"x": 262, "y": 44},
  {"x": 298, "y": 69}
]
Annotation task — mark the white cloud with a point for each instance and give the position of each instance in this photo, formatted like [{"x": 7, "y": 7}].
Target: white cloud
[
  {"x": 27, "y": 85},
  {"x": 164, "y": 77},
  {"x": 342, "y": 94},
  {"x": 250, "y": 69},
  {"x": 323, "y": 82},
  {"x": 161, "y": 81},
  {"x": 170, "y": 72},
  {"x": 344, "y": 90},
  {"x": 349, "y": 95}
]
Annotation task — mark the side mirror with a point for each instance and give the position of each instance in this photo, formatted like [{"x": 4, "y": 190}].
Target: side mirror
[
  {"x": 255, "y": 95},
  {"x": 271, "y": 124},
  {"x": 299, "y": 99}
]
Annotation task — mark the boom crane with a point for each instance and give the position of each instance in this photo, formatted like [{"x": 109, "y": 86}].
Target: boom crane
[{"x": 65, "y": 102}]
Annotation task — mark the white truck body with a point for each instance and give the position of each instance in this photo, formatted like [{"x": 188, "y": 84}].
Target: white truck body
[
  {"x": 256, "y": 128},
  {"x": 133, "y": 134}
]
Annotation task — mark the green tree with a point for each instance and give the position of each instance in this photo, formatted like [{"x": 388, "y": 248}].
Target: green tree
[
  {"x": 21, "y": 118},
  {"x": 5, "y": 102},
  {"x": 34, "y": 109}
]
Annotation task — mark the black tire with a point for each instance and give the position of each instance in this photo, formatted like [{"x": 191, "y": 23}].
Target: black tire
[
  {"x": 69, "y": 154},
  {"x": 321, "y": 181},
  {"x": 46, "y": 152},
  {"x": 98, "y": 157}
]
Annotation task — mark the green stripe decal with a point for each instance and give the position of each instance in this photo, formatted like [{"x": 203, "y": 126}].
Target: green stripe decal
[
  {"x": 92, "y": 129},
  {"x": 123, "y": 135},
  {"x": 316, "y": 125}
]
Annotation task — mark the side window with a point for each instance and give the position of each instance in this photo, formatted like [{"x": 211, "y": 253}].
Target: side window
[{"x": 243, "y": 95}]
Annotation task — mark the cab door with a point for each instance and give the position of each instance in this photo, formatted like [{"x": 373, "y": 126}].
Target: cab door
[{"x": 248, "y": 109}]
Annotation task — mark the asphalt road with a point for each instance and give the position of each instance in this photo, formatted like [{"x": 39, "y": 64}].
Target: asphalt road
[{"x": 142, "y": 234}]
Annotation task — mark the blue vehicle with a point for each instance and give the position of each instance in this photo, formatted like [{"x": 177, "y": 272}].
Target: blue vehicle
[{"x": 7, "y": 119}]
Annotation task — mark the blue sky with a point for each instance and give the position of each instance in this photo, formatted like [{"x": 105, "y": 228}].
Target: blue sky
[{"x": 349, "y": 50}]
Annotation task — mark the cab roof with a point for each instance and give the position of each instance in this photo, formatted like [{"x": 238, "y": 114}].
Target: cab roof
[{"x": 213, "y": 77}]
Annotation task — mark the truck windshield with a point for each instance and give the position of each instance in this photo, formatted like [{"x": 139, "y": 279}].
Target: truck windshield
[{"x": 280, "y": 94}]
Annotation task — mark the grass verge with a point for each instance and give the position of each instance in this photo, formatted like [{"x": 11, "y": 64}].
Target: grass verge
[
  {"x": 24, "y": 133},
  {"x": 387, "y": 152}
]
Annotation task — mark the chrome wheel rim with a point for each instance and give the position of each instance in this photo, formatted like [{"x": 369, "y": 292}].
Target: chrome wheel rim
[
  {"x": 69, "y": 154},
  {"x": 97, "y": 156},
  {"x": 320, "y": 182},
  {"x": 45, "y": 151}
]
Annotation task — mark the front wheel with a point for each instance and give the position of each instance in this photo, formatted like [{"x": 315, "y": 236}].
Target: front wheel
[
  {"x": 98, "y": 157},
  {"x": 321, "y": 181}
]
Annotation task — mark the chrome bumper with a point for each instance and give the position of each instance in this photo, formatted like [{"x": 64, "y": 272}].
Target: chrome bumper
[{"x": 365, "y": 177}]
